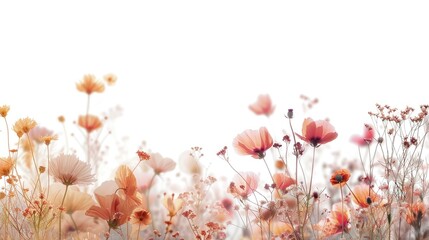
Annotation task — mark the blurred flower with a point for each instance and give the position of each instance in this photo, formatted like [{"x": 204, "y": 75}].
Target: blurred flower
[
  {"x": 110, "y": 79},
  {"x": 368, "y": 136},
  {"x": 188, "y": 163},
  {"x": 75, "y": 200},
  {"x": 340, "y": 177},
  {"x": 172, "y": 204},
  {"x": 38, "y": 132},
  {"x": 364, "y": 196},
  {"x": 337, "y": 221},
  {"x": 69, "y": 170},
  {"x": 139, "y": 220},
  {"x": 6, "y": 166},
  {"x": 24, "y": 125},
  {"x": 143, "y": 156},
  {"x": 415, "y": 213},
  {"x": 253, "y": 142},
  {"x": 283, "y": 181},
  {"x": 160, "y": 164},
  {"x": 89, "y": 122},
  {"x": 80, "y": 226},
  {"x": 112, "y": 209},
  {"x": 262, "y": 106},
  {"x": 278, "y": 228},
  {"x": 244, "y": 185},
  {"x": 4, "y": 110},
  {"x": 89, "y": 85},
  {"x": 316, "y": 133}
]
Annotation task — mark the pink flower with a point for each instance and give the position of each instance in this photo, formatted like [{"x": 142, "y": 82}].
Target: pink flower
[
  {"x": 127, "y": 184},
  {"x": 317, "y": 132},
  {"x": 69, "y": 170},
  {"x": 244, "y": 185},
  {"x": 112, "y": 209},
  {"x": 283, "y": 181},
  {"x": 368, "y": 136},
  {"x": 253, "y": 142},
  {"x": 336, "y": 222},
  {"x": 262, "y": 106},
  {"x": 160, "y": 164}
]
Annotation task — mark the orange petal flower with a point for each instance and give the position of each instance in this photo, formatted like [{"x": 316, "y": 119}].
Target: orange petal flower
[
  {"x": 337, "y": 221},
  {"x": 69, "y": 170},
  {"x": 364, "y": 195},
  {"x": 172, "y": 204},
  {"x": 24, "y": 125},
  {"x": 242, "y": 188},
  {"x": 89, "y": 85},
  {"x": 139, "y": 220},
  {"x": 317, "y": 132},
  {"x": 340, "y": 177},
  {"x": 415, "y": 213},
  {"x": 368, "y": 136},
  {"x": 283, "y": 181},
  {"x": 110, "y": 79},
  {"x": 89, "y": 122},
  {"x": 127, "y": 182},
  {"x": 6, "y": 166},
  {"x": 253, "y": 142},
  {"x": 112, "y": 209},
  {"x": 263, "y": 106},
  {"x": 4, "y": 110}
]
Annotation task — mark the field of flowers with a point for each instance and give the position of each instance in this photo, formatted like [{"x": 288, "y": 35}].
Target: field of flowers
[{"x": 51, "y": 190}]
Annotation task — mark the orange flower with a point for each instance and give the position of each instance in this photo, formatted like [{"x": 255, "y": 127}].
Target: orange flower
[
  {"x": 415, "y": 213},
  {"x": 364, "y": 195},
  {"x": 317, "y": 132},
  {"x": 262, "y": 106},
  {"x": 24, "y": 125},
  {"x": 143, "y": 156},
  {"x": 283, "y": 181},
  {"x": 110, "y": 79},
  {"x": 278, "y": 228},
  {"x": 140, "y": 219},
  {"x": 340, "y": 177},
  {"x": 112, "y": 209},
  {"x": 4, "y": 110},
  {"x": 127, "y": 182},
  {"x": 6, "y": 166},
  {"x": 89, "y": 85},
  {"x": 173, "y": 205},
  {"x": 89, "y": 122},
  {"x": 337, "y": 221},
  {"x": 368, "y": 136},
  {"x": 253, "y": 142}
]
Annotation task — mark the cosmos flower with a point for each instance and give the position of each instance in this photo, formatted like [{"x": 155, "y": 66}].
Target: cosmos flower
[
  {"x": 172, "y": 204},
  {"x": 89, "y": 122},
  {"x": 127, "y": 184},
  {"x": 368, "y": 136},
  {"x": 364, "y": 196},
  {"x": 24, "y": 125},
  {"x": 253, "y": 142},
  {"x": 283, "y": 181},
  {"x": 89, "y": 84},
  {"x": 316, "y": 133},
  {"x": 340, "y": 177},
  {"x": 110, "y": 79},
  {"x": 112, "y": 209},
  {"x": 139, "y": 220},
  {"x": 6, "y": 166},
  {"x": 160, "y": 164},
  {"x": 242, "y": 188},
  {"x": 263, "y": 106},
  {"x": 69, "y": 170},
  {"x": 4, "y": 110},
  {"x": 337, "y": 221}
]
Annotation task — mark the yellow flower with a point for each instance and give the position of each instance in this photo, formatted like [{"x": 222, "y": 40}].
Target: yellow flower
[
  {"x": 89, "y": 85},
  {"x": 173, "y": 205},
  {"x": 4, "y": 110},
  {"x": 110, "y": 79},
  {"x": 6, "y": 165},
  {"x": 89, "y": 122},
  {"x": 24, "y": 125}
]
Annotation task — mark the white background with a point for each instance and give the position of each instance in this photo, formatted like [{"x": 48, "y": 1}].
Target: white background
[{"x": 187, "y": 70}]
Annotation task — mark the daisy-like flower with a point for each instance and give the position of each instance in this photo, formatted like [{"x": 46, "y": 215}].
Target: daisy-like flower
[
  {"x": 69, "y": 170},
  {"x": 89, "y": 85},
  {"x": 364, "y": 196},
  {"x": 253, "y": 142},
  {"x": 6, "y": 166},
  {"x": 4, "y": 110},
  {"x": 110, "y": 79},
  {"x": 316, "y": 133},
  {"x": 368, "y": 136},
  {"x": 160, "y": 164},
  {"x": 340, "y": 177},
  {"x": 172, "y": 204},
  {"x": 24, "y": 125},
  {"x": 89, "y": 122},
  {"x": 263, "y": 106},
  {"x": 242, "y": 188}
]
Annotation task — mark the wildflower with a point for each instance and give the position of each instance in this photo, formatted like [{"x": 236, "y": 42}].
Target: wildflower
[
  {"x": 6, "y": 166},
  {"x": 244, "y": 185},
  {"x": 340, "y": 177},
  {"x": 69, "y": 170},
  {"x": 278, "y": 228},
  {"x": 283, "y": 181},
  {"x": 127, "y": 182},
  {"x": 47, "y": 139},
  {"x": 262, "y": 106},
  {"x": 253, "y": 142},
  {"x": 160, "y": 164},
  {"x": 24, "y": 125},
  {"x": 89, "y": 122},
  {"x": 110, "y": 79},
  {"x": 38, "y": 132},
  {"x": 81, "y": 226},
  {"x": 75, "y": 200},
  {"x": 89, "y": 85},
  {"x": 61, "y": 119},
  {"x": 337, "y": 221},
  {"x": 4, "y": 110},
  {"x": 364, "y": 195},
  {"x": 188, "y": 162},
  {"x": 317, "y": 132},
  {"x": 172, "y": 204},
  {"x": 143, "y": 156},
  {"x": 415, "y": 213},
  {"x": 368, "y": 136},
  {"x": 112, "y": 209},
  {"x": 140, "y": 219}
]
